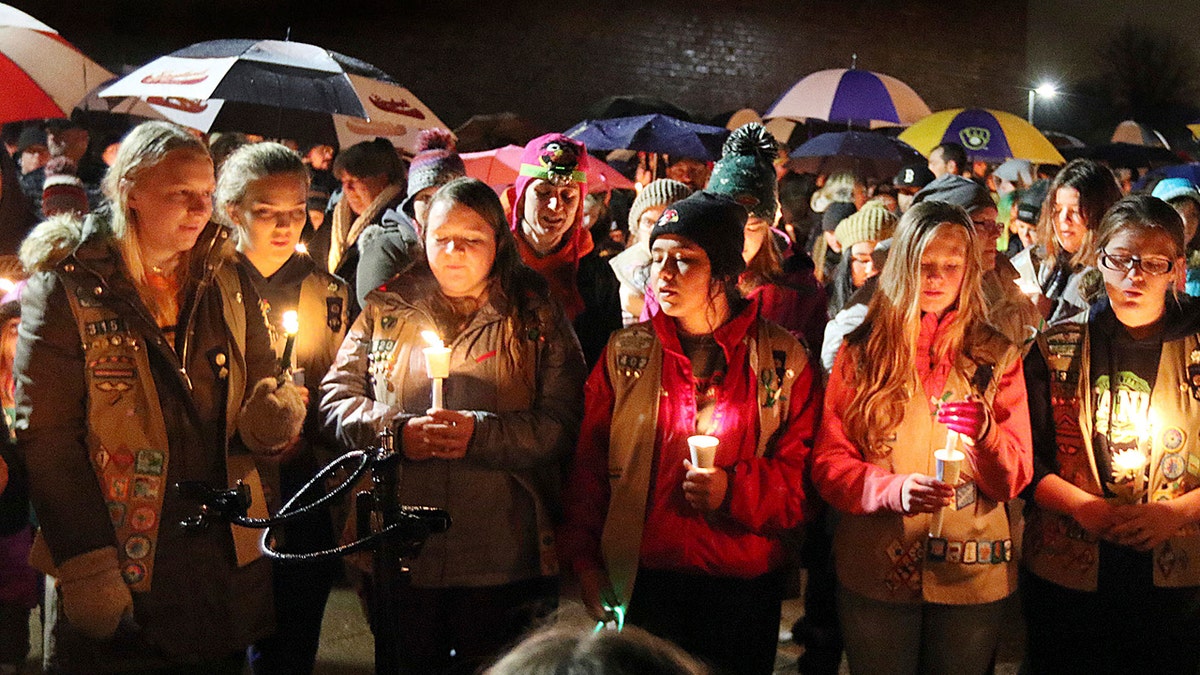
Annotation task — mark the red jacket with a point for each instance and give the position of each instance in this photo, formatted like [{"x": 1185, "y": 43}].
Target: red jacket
[
  {"x": 853, "y": 485},
  {"x": 767, "y": 496}
]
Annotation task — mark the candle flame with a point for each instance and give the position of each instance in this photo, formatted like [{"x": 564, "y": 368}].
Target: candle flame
[
  {"x": 291, "y": 322},
  {"x": 1129, "y": 461},
  {"x": 432, "y": 338},
  {"x": 301, "y": 248},
  {"x": 7, "y": 285}
]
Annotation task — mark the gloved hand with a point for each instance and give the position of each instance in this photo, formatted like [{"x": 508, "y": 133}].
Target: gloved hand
[
  {"x": 272, "y": 416},
  {"x": 969, "y": 418},
  {"x": 94, "y": 595}
]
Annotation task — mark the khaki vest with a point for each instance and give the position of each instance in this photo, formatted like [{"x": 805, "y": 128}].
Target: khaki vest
[
  {"x": 891, "y": 557},
  {"x": 127, "y": 437},
  {"x": 634, "y": 364},
  {"x": 1057, "y": 548}
]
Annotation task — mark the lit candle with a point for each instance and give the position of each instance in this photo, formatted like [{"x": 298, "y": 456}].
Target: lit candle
[
  {"x": 1130, "y": 464},
  {"x": 704, "y": 451},
  {"x": 291, "y": 326},
  {"x": 301, "y": 248},
  {"x": 948, "y": 461},
  {"x": 437, "y": 364}
]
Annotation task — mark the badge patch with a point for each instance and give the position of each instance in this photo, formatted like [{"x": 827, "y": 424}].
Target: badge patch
[
  {"x": 333, "y": 314},
  {"x": 137, "y": 547},
  {"x": 936, "y": 549},
  {"x": 145, "y": 487},
  {"x": 964, "y": 495},
  {"x": 116, "y": 513},
  {"x": 1173, "y": 466},
  {"x": 1173, "y": 438},
  {"x": 149, "y": 462},
  {"x": 970, "y": 552},
  {"x": 143, "y": 518},
  {"x": 133, "y": 573},
  {"x": 954, "y": 552},
  {"x": 101, "y": 459},
  {"x": 985, "y": 552},
  {"x": 118, "y": 488},
  {"x": 113, "y": 368},
  {"x": 106, "y": 327}
]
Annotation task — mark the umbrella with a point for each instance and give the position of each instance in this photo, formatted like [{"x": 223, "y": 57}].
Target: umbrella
[
  {"x": 278, "y": 89},
  {"x": 41, "y": 74},
  {"x": 628, "y": 106},
  {"x": 858, "y": 97},
  {"x": 987, "y": 135},
  {"x": 651, "y": 133},
  {"x": 498, "y": 168},
  {"x": 1126, "y": 155},
  {"x": 486, "y": 132},
  {"x": 1132, "y": 133},
  {"x": 864, "y": 153}
]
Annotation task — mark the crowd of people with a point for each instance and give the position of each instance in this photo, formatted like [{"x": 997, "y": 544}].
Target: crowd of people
[{"x": 936, "y": 393}]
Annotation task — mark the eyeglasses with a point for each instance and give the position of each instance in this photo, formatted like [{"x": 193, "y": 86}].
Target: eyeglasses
[{"x": 1123, "y": 263}]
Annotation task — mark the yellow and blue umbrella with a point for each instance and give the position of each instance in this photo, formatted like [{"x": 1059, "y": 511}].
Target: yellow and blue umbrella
[{"x": 987, "y": 135}]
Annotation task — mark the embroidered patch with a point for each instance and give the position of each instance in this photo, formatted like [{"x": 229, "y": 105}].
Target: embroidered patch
[
  {"x": 970, "y": 552},
  {"x": 145, "y": 487},
  {"x": 110, "y": 386},
  {"x": 133, "y": 573},
  {"x": 143, "y": 518},
  {"x": 116, "y": 513},
  {"x": 936, "y": 549},
  {"x": 116, "y": 367},
  {"x": 985, "y": 552},
  {"x": 954, "y": 552},
  {"x": 137, "y": 547},
  {"x": 218, "y": 360},
  {"x": 906, "y": 565},
  {"x": 101, "y": 459},
  {"x": 1170, "y": 558},
  {"x": 1173, "y": 438},
  {"x": 118, "y": 488},
  {"x": 964, "y": 495},
  {"x": 333, "y": 314},
  {"x": 1193, "y": 465},
  {"x": 149, "y": 462},
  {"x": 1172, "y": 466}
]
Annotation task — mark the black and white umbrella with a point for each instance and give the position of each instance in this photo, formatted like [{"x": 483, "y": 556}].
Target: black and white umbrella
[{"x": 279, "y": 89}]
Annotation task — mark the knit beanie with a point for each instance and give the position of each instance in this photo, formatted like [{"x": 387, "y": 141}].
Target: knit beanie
[
  {"x": 956, "y": 190},
  {"x": 1169, "y": 189},
  {"x": 835, "y": 213},
  {"x": 556, "y": 159},
  {"x": 746, "y": 170},
  {"x": 1029, "y": 205},
  {"x": 62, "y": 191},
  {"x": 659, "y": 192},
  {"x": 873, "y": 223},
  {"x": 436, "y": 162},
  {"x": 715, "y": 222}
]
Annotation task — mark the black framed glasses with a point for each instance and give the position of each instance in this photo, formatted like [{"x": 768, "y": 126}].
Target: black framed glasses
[{"x": 1120, "y": 262}]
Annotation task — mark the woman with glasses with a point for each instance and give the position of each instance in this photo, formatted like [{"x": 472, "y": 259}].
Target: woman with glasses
[
  {"x": 1112, "y": 544},
  {"x": 1059, "y": 274}
]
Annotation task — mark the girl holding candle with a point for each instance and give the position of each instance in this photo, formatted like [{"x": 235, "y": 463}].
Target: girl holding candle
[
  {"x": 704, "y": 544},
  {"x": 924, "y": 362},
  {"x": 1112, "y": 541},
  {"x": 261, "y": 193},
  {"x": 493, "y": 457}
]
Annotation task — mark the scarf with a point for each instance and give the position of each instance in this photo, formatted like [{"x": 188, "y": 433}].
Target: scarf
[{"x": 345, "y": 232}]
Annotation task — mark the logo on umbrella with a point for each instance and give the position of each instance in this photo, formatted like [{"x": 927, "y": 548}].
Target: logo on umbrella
[
  {"x": 366, "y": 128},
  {"x": 398, "y": 107},
  {"x": 168, "y": 77},
  {"x": 975, "y": 138},
  {"x": 187, "y": 105}
]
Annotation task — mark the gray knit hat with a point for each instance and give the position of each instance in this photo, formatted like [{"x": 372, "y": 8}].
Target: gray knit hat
[
  {"x": 746, "y": 170},
  {"x": 657, "y": 193},
  {"x": 873, "y": 223},
  {"x": 956, "y": 190},
  {"x": 436, "y": 162}
]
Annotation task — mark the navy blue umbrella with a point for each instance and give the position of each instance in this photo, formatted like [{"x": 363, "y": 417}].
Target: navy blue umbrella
[
  {"x": 864, "y": 153},
  {"x": 652, "y": 133}
]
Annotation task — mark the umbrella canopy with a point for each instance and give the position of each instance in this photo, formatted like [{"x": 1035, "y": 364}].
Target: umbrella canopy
[
  {"x": 987, "y": 135},
  {"x": 41, "y": 74},
  {"x": 498, "y": 168},
  {"x": 1132, "y": 133},
  {"x": 279, "y": 89},
  {"x": 628, "y": 106},
  {"x": 851, "y": 96},
  {"x": 652, "y": 133},
  {"x": 1125, "y": 155},
  {"x": 486, "y": 132},
  {"x": 864, "y": 153}
]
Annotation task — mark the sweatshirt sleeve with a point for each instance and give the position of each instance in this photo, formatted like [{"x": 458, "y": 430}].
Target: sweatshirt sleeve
[
  {"x": 1041, "y": 420},
  {"x": 348, "y": 406},
  {"x": 840, "y": 473},
  {"x": 51, "y": 401},
  {"x": 1004, "y": 458},
  {"x": 586, "y": 494},
  {"x": 767, "y": 493}
]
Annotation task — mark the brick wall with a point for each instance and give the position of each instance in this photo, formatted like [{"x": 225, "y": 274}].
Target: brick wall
[{"x": 547, "y": 61}]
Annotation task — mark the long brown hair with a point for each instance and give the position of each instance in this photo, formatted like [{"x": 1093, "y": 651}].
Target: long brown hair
[
  {"x": 1098, "y": 190},
  {"x": 884, "y": 346}
]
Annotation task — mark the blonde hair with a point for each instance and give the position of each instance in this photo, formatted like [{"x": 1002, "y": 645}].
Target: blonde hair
[
  {"x": 884, "y": 346},
  {"x": 246, "y": 165},
  {"x": 143, "y": 148}
]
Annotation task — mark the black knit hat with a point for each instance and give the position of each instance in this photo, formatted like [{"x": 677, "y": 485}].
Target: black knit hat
[
  {"x": 746, "y": 170},
  {"x": 715, "y": 223},
  {"x": 836, "y": 213},
  {"x": 1029, "y": 205}
]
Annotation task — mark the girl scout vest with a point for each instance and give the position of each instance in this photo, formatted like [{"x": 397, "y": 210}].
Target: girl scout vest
[
  {"x": 634, "y": 364},
  {"x": 891, "y": 557},
  {"x": 1057, "y": 548},
  {"x": 127, "y": 437}
]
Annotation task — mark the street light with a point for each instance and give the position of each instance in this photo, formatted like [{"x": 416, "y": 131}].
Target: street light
[{"x": 1045, "y": 90}]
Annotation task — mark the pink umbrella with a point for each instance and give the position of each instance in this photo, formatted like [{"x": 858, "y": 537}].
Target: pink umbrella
[{"x": 498, "y": 168}]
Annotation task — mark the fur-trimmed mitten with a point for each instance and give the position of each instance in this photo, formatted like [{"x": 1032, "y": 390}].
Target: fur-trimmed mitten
[
  {"x": 272, "y": 417},
  {"x": 94, "y": 595}
]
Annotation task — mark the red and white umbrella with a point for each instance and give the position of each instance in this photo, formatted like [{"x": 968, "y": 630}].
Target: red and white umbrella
[{"x": 41, "y": 74}]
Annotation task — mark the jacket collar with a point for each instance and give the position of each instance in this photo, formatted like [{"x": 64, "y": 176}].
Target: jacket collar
[{"x": 728, "y": 334}]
